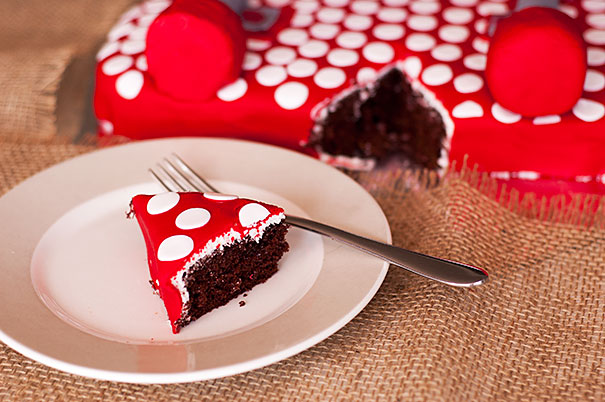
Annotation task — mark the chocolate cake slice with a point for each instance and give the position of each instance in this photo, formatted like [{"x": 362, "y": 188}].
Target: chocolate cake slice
[{"x": 205, "y": 249}]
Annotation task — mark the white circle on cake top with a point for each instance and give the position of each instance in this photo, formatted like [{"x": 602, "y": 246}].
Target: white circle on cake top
[
  {"x": 308, "y": 6},
  {"x": 489, "y": 8},
  {"x": 106, "y": 127},
  {"x": 175, "y": 248},
  {"x": 351, "y": 40},
  {"x": 569, "y": 10},
  {"x": 252, "y": 61},
  {"x": 342, "y": 57},
  {"x": 220, "y": 196},
  {"x": 331, "y": 15},
  {"x": 156, "y": 7},
  {"x": 301, "y": 68},
  {"x": 425, "y": 7},
  {"x": 132, "y": 46},
  {"x": 393, "y": 15},
  {"x": 593, "y": 6},
  {"x": 336, "y": 3},
  {"x": 329, "y": 77},
  {"x": 258, "y": 44},
  {"x": 422, "y": 23},
  {"x": 324, "y": 31},
  {"x": 596, "y": 20},
  {"x": 588, "y": 110},
  {"x": 504, "y": 115},
  {"x": 420, "y": 42},
  {"x": 141, "y": 62},
  {"x": 595, "y": 56},
  {"x": 544, "y": 120},
  {"x": 475, "y": 61},
  {"x": 365, "y": 7},
  {"x": 192, "y": 218},
  {"x": 481, "y": 26},
  {"x": 107, "y": 50},
  {"x": 595, "y": 81},
  {"x": 366, "y": 75},
  {"x": 412, "y": 66},
  {"x": 302, "y": 20},
  {"x": 291, "y": 95},
  {"x": 595, "y": 36},
  {"x": 120, "y": 31},
  {"x": 233, "y": 91},
  {"x": 270, "y": 76},
  {"x": 437, "y": 74},
  {"x": 388, "y": 32},
  {"x": 129, "y": 84},
  {"x": 454, "y": 33},
  {"x": 117, "y": 64},
  {"x": 467, "y": 109},
  {"x": 139, "y": 34},
  {"x": 293, "y": 36},
  {"x": 458, "y": 15},
  {"x": 146, "y": 20},
  {"x": 481, "y": 45},
  {"x": 468, "y": 83},
  {"x": 252, "y": 213},
  {"x": 160, "y": 203},
  {"x": 356, "y": 22},
  {"x": 446, "y": 52},
  {"x": 314, "y": 49},
  {"x": 280, "y": 55},
  {"x": 464, "y": 3},
  {"x": 378, "y": 52},
  {"x": 396, "y": 3}
]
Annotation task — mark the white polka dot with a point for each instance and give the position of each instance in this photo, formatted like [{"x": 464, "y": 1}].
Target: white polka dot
[
  {"x": 481, "y": 45},
  {"x": 475, "y": 61},
  {"x": 468, "y": 83},
  {"x": 293, "y": 36},
  {"x": 412, "y": 66},
  {"x": 331, "y": 15},
  {"x": 300, "y": 68},
  {"x": 156, "y": 7},
  {"x": 314, "y": 49},
  {"x": 504, "y": 115},
  {"x": 302, "y": 20},
  {"x": 175, "y": 248},
  {"x": 138, "y": 34},
  {"x": 324, "y": 31},
  {"x": 307, "y": 6},
  {"x": 596, "y": 20},
  {"x": 132, "y": 46},
  {"x": 192, "y": 218},
  {"x": 146, "y": 20},
  {"x": 252, "y": 213},
  {"x": 425, "y": 7},
  {"x": 388, "y": 32},
  {"x": 336, "y": 3},
  {"x": 271, "y": 76},
  {"x": 464, "y": 3},
  {"x": 161, "y": 203},
  {"x": 420, "y": 42},
  {"x": 329, "y": 77},
  {"x": 117, "y": 64},
  {"x": 220, "y": 196},
  {"x": 351, "y": 40},
  {"x": 588, "y": 110},
  {"x": 233, "y": 91},
  {"x": 131, "y": 14},
  {"x": 107, "y": 50},
  {"x": 481, "y": 26},
  {"x": 365, "y": 7},
  {"x": 437, "y": 74},
  {"x": 141, "y": 63},
  {"x": 394, "y": 15},
  {"x": 595, "y": 56},
  {"x": 278, "y": 3},
  {"x": 446, "y": 52},
  {"x": 595, "y": 81},
  {"x": 358, "y": 22},
  {"x": 258, "y": 44},
  {"x": 396, "y": 3},
  {"x": 343, "y": 57},
  {"x": 467, "y": 110},
  {"x": 489, "y": 8},
  {"x": 569, "y": 10},
  {"x": 366, "y": 75},
  {"x": 378, "y": 52},
  {"x": 291, "y": 95},
  {"x": 120, "y": 31},
  {"x": 550, "y": 119},
  {"x": 129, "y": 84},
  {"x": 454, "y": 33},
  {"x": 457, "y": 15},
  {"x": 593, "y": 6},
  {"x": 422, "y": 23},
  {"x": 595, "y": 36},
  {"x": 106, "y": 127},
  {"x": 251, "y": 61},
  {"x": 280, "y": 55}
]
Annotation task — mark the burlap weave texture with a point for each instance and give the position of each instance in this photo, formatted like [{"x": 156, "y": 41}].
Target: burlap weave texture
[{"x": 535, "y": 331}]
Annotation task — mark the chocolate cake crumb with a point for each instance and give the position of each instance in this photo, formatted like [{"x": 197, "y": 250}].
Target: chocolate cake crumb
[{"x": 242, "y": 303}]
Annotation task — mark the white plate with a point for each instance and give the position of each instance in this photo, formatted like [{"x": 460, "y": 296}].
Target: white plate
[{"x": 74, "y": 284}]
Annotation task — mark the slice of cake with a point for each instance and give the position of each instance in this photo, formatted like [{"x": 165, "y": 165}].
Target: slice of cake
[{"x": 205, "y": 249}]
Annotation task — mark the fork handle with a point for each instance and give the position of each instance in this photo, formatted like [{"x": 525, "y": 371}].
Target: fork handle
[{"x": 445, "y": 271}]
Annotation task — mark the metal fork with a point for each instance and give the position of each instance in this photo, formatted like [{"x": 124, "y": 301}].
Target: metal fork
[{"x": 177, "y": 175}]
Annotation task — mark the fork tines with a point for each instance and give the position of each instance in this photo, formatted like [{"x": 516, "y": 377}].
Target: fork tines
[{"x": 177, "y": 175}]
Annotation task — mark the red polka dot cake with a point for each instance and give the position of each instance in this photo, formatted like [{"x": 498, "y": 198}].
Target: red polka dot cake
[
  {"x": 355, "y": 82},
  {"x": 205, "y": 249}
]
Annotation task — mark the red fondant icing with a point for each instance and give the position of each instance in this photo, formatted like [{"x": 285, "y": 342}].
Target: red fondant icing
[{"x": 224, "y": 217}]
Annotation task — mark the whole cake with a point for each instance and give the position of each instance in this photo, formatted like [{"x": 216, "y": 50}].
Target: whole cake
[
  {"x": 355, "y": 82},
  {"x": 205, "y": 249}
]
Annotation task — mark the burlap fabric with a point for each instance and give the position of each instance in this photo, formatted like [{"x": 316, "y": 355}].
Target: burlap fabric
[{"x": 535, "y": 331}]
